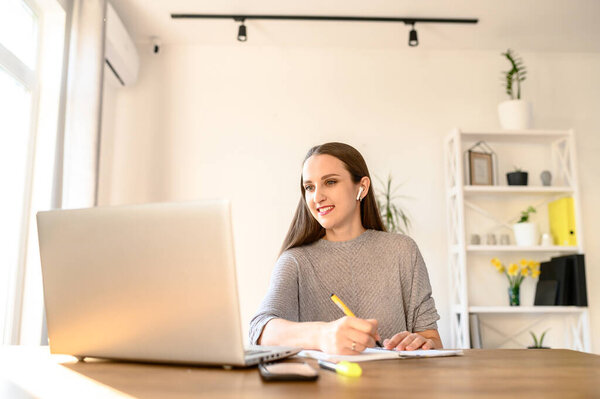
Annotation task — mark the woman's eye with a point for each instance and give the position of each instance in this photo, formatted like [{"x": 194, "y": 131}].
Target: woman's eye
[
  {"x": 307, "y": 188},
  {"x": 330, "y": 182}
]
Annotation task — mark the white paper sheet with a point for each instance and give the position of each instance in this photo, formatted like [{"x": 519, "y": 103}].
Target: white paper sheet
[{"x": 380, "y": 354}]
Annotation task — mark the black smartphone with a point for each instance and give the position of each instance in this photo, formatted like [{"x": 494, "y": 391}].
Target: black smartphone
[{"x": 287, "y": 372}]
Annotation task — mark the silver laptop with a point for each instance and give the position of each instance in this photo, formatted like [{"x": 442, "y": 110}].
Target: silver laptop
[{"x": 153, "y": 282}]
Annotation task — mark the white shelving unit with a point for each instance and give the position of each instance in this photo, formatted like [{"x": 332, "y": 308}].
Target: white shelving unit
[{"x": 462, "y": 198}]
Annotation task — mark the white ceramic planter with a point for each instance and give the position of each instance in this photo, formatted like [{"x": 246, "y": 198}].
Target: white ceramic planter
[
  {"x": 515, "y": 114},
  {"x": 526, "y": 234}
]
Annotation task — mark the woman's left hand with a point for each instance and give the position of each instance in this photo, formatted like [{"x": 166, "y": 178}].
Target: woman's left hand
[{"x": 407, "y": 341}]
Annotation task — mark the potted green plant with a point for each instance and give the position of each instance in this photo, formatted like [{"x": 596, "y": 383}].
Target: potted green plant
[
  {"x": 538, "y": 343},
  {"x": 393, "y": 217},
  {"x": 514, "y": 113},
  {"x": 517, "y": 177},
  {"x": 526, "y": 232}
]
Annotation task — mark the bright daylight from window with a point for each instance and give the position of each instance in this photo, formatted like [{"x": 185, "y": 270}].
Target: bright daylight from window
[
  {"x": 14, "y": 124},
  {"x": 18, "y": 30}
]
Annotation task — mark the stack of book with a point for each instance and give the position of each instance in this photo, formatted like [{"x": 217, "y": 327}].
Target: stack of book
[{"x": 562, "y": 282}]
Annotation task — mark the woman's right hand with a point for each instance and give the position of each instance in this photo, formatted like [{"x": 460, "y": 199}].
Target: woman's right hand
[{"x": 337, "y": 337}]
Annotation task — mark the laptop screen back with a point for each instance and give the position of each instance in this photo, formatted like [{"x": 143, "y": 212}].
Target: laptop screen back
[{"x": 153, "y": 282}]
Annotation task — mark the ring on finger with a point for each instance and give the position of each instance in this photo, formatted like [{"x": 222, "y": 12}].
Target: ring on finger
[{"x": 353, "y": 346}]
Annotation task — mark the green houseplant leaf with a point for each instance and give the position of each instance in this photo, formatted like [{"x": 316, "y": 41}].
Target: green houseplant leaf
[
  {"x": 538, "y": 343},
  {"x": 517, "y": 73},
  {"x": 393, "y": 217},
  {"x": 535, "y": 341},
  {"x": 525, "y": 214},
  {"x": 542, "y": 338}
]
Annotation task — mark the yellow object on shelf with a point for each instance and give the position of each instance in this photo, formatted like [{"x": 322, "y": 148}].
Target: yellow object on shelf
[{"x": 562, "y": 221}]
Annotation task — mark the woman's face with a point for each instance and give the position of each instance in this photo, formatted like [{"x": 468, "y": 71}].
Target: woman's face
[{"x": 330, "y": 192}]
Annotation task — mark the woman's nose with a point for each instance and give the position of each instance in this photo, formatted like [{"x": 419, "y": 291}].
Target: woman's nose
[{"x": 318, "y": 195}]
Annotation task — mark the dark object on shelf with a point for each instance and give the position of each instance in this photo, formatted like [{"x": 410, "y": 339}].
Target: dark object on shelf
[
  {"x": 569, "y": 273},
  {"x": 546, "y": 178},
  {"x": 555, "y": 271},
  {"x": 517, "y": 178},
  {"x": 576, "y": 294},
  {"x": 538, "y": 347},
  {"x": 475, "y": 330},
  {"x": 580, "y": 295},
  {"x": 545, "y": 293}
]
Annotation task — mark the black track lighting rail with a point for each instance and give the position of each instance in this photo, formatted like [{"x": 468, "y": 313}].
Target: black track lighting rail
[
  {"x": 406, "y": 20},
  {"x": 412, "y": 38}
]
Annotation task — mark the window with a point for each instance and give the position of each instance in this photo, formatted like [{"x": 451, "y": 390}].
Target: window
[
  {"x": 30, "y": 81},
  {"x": 15, "y": 110},
  {"x": 18, "y": 25},
  {"x": 18, "y": 30}
]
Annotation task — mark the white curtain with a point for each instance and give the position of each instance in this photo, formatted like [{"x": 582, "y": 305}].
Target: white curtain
[
  {"x": 83, "y": 104},
  {"x": 78, "y": 145}
]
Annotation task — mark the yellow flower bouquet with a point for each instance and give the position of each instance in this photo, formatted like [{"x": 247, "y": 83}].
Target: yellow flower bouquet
[{"x": 516, "y": 273}]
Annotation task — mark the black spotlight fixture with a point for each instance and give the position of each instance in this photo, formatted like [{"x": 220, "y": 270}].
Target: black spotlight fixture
[
  {"x": 242, "y": 36},
  {"x": 412, "y": 37}
]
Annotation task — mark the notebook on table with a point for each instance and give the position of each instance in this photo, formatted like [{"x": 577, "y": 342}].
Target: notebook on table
[{"x": 370, "y": 354}]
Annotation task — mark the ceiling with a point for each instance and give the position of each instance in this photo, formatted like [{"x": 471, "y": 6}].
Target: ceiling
[{"x": 524, "y": 25}]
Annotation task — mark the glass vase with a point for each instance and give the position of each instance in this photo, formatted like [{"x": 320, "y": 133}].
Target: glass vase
[{"x": 514, "y": 297}]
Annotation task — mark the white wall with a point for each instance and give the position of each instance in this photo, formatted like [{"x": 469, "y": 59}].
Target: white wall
[{"x": 235, "y": 121}]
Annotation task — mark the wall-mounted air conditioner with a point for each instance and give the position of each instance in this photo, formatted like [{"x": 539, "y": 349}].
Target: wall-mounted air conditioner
[{"x": 120, "y": 53}]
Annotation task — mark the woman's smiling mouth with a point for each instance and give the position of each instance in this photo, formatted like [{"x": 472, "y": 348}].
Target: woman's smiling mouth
[{"x": 324, "y": 210}]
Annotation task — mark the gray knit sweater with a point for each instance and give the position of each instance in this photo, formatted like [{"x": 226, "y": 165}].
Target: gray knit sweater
[{"x": 377, "y": 275}]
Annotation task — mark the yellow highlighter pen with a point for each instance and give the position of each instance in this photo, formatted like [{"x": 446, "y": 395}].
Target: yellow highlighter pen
[
  {"x": 347, "y": 311},
  {"x": 347, "y": 369},
  {"x": 342, "y": 305}
]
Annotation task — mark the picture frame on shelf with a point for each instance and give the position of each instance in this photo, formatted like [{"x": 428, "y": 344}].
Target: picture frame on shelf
[
  {"x": 481, "y": 165},
  {"x": 480, "y": 169}
]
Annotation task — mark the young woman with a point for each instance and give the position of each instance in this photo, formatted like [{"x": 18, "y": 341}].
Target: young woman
[{"x": 338, "y": 244}]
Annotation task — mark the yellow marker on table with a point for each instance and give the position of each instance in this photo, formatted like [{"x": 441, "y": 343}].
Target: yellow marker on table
[
  {"x": 348, "y": 369},
  {"x": 347, "y": 311}
]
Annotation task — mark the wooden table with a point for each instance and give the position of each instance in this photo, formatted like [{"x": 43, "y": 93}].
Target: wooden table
[{"x": 543, "y": 373}]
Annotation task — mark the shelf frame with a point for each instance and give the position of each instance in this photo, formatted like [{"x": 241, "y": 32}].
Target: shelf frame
[
  {"x": 521, "y": 249},
  {"x": 544, "y": 190},
  {"x": 528, "y": 309},
  {"x": 454, "y": 180},
  {"x": 508, "y": 136},
  {"x": 562, "y": 146}
]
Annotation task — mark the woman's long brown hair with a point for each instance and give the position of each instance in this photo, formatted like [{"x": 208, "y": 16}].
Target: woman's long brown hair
[{"x": 304, "y": 229}]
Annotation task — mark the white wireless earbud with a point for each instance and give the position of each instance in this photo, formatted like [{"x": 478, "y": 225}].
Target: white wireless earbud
[{"x": 360, "y": 190}]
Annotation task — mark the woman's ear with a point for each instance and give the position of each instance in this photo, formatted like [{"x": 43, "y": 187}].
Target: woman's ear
[{"x": 365, "y": 184}]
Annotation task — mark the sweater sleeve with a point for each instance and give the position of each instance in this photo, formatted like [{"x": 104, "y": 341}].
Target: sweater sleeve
[
  {"x": 421, "y": 314},
  {"x": 281, "y": 300}
]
